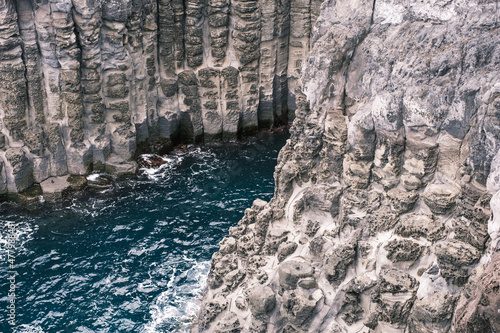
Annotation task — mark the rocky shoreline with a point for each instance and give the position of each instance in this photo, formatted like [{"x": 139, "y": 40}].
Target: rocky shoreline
[
  {"x": 87, "y": 85},
  {"x": 386, "y": 213},
  {"x": 55, "y": 189},
  {"x": 384, "y": 217}
]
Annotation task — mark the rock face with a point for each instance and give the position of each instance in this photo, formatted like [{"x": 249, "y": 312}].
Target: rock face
[
  {"x": 87, "y": 84},
  {"x": 382, "y": 215}
]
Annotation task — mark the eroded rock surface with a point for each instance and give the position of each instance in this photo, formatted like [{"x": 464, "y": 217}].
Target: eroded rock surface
[
  {"x": 382, "y": 215},
  {"x": 87, "y": 84}
]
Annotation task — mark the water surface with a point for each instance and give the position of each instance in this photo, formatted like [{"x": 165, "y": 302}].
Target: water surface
[{"x": 133, "y": 258}]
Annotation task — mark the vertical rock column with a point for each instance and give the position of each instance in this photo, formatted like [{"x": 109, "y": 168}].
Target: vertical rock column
[
  {"x": 230, "y": 94},
  {"x": 209, "y": 79},
  {"x": 117, "y": 77},
  {"x": 267, "y": 64},
  {"x": 218, "y": 22},
  {"x": 150, "y": 61},
  {"x": 16, "y": 171},
  {"x": 246, "y": 35},
  {"x": 280, "y": 85},
  {"x": 13, "y": 96},
  {"x": 194, "y": 33},
  {"x": 138, "y": 95},
  {"x": 88, "y": 23},
  {"x": 301, "y": 23},
  {"x": 51, "y": 83},
  {"x": 191, "y": 125},
  {"x": 33, "y": 132},
  {"x": 178, "y": 7},
  {"x": 68, "y": 56},
  {"x": 170, "y": 15},
  {"x": 273, "y": 91},
  {"x": 88, "y": 18}
]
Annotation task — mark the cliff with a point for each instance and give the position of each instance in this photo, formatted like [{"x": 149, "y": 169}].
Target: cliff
[
  {"x": 87, "y": 84},
  {"x": 384, "y": 217}
]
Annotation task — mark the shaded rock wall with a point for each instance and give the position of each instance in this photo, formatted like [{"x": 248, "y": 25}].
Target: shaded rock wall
[
  {"x": 382, "y": 215},
  {"x": 86, "y": 82}
]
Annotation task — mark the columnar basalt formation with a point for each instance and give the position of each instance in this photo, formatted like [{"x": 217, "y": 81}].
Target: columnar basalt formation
[
  {"x": 384, "y": 217},
  {"x": 87, "y": 84}
]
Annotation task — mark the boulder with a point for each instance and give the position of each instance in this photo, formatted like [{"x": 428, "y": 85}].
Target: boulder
[
  {"x": 440, "y": 197},
  {"x": 298, "y": 305},
  {"x": 336, "y": 263},
  {"x": 421, "y": 226},
  {"x": 432, "y": 313},
  {"x": 150, "y": 161},
  {"x": 262, "y": 300},
  {"x": 403, "y": 250},
  {"x": 291, "y": 271}
]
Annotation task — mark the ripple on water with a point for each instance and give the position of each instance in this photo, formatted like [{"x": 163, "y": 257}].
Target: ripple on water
[{"x": 135, "y": 257}]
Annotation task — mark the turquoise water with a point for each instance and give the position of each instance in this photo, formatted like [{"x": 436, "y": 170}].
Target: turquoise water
[{"x": 133, "y": 258}]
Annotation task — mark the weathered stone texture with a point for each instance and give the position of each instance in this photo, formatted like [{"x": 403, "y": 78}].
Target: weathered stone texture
[
  {"x": 104, "y": 76},
  {"x": 386, "y": 213}
]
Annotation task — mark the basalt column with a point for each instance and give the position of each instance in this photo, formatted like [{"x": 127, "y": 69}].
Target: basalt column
[{"x": 87, "y": 84}]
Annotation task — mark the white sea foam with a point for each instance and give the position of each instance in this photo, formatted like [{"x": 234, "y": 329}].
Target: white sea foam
[
  {"x": 93, "y": 177},
  {"x": 29, "y": 329},
  {"x": 163, "y": 170},
  {"x": 179, "y": 303},
  {"x": 23, "y": 233}
]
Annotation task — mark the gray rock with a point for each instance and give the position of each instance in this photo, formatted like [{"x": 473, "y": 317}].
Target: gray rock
[
  {"x": 291, "y": 271},
  {"x": 396, "y": 132},
  {"x": 403, "y": 250},
  {"x": 336, "y": 264},
  {"x": 21, "y": 176},
  {"x": 117, "y": 166},
  {"x": 228, "y": 324},
  {"x": 211, "y": 310},
  {"x": 298, "y": 305},
  {"x": 311, "y": 228},
  {"x": 432, "y": 313},
  {"x": 316, "y": 245},
  {"x": 440, "y": 197},
  {"x": 54, "y": 188},
  {"x": 454, "y": 256},
  {"x": 262, "y": 300},
  {"x": 478, "y": 311},
  {"x": 421, "y": 226},
  {"x": 286, "y": 249}
]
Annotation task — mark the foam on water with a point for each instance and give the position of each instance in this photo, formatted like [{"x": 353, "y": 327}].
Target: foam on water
[
  {"x": 179, "y": 305},
  {"x": 23, "y": 233}
]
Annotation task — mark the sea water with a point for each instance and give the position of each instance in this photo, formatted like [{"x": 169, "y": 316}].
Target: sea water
[{"x": 135, "y": 257}]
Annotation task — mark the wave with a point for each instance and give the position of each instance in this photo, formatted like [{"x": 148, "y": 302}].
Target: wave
[{"x": 176, "y": 308}]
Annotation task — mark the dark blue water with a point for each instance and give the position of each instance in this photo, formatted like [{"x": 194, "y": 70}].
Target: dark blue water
[{"x": 133, "y": 258}]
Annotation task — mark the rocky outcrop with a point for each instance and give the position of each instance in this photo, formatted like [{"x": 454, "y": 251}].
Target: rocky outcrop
[
  {"x": 88, "y": 84},
  {"x": 382, "y": 215}
]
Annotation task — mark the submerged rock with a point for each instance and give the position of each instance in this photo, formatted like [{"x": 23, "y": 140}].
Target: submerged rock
[
  {"x": 150, "y": 161},
  {"x": 100, "y": 180}
]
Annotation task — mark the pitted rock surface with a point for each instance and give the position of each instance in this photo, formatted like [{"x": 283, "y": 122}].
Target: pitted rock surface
[{"x": 389, "y": 185}]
